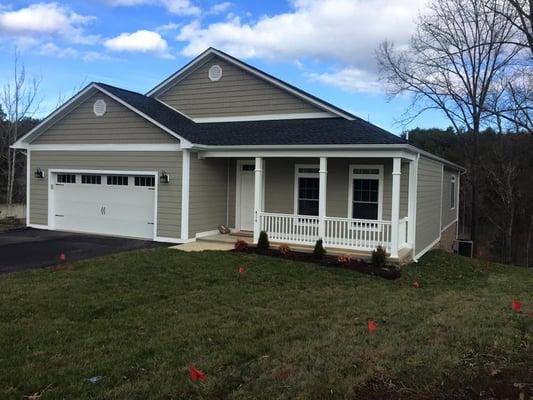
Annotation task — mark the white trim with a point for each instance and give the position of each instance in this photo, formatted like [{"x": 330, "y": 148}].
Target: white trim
[
  {"x": 412, "y": 220},
  {"x": 458, "y": 203},
  {"x": 206, "y": 233},
  {"x": 395, "y": 205},
  {"x": 38, "y": 226},
  {"x": 165, "y": 239},
  {"x": 453, "y": 183},
  {"x": 297, "y": 175},
  {"x": 264, "y": 117},
  {"x": 28, "y": 186},
  {"x": 322, "y": 196},
  {"x": 316, "y": 152},
  {"x": 198, "y": 61},
  {"x": 51, "y": 192},
  {"x": 352, "y": 176},
  {"x": 238, "y": 167},
  {"x": 426, "y": 249},
  {"x": 185, "y": 188},
  {"x": 105, "y": 147},
  {"x": 441, "y": 196},
  {"x": 258, "y": 199},
  {"x": 447, "y": 226}
]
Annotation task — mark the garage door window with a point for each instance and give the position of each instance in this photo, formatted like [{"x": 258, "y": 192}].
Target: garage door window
[
  {"x": 118, "y": 180},
  {"x": 145, "y": 181},
  {"x": 91, "y": 179},
  {"x": 66, "y": 178}
]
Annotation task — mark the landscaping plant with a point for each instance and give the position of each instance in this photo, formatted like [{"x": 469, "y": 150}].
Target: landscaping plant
[
  {"x": 240, "y": 245},
  {"x": 284, "y": 249},
  {"x": 319, "y": 251},
  {"x": 263, "y": 244},
  {"x": 379, "y": 257}
]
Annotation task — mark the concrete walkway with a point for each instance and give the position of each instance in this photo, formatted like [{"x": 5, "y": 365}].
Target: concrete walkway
[{"x": 201, "y": 246}]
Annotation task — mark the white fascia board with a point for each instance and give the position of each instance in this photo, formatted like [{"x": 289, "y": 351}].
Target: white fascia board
[
  {"x": 105, "y": 147},
  {"x": 209, "y": 52}
]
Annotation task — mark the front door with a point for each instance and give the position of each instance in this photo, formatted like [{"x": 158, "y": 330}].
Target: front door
[{"x": 246, "y": 178}]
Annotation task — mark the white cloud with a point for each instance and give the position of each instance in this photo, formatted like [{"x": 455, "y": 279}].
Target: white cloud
[
  {"x": 349, "y": 79},
  {"x": 140, "y": 41},
  {"x": 178, "y": 7},
  {"x": 54, "y": 50},
  {"x": 346, "y": 32},
  {"x": 171, "y": 26},
  {"x": 48, "y": 19},
  {"x": 220, "y": 7}
]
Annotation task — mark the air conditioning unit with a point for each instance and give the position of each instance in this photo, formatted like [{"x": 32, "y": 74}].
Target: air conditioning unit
[{"x": 464, "y": 247}]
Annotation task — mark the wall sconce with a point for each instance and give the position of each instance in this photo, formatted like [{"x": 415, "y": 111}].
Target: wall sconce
[
  {"x": 39, "y": 174},
  {"x": 163, "y": 177}
]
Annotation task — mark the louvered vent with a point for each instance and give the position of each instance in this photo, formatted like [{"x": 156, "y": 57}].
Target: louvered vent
[
  {"x": 215, "y": 72},
  {"x": 99, "y": 107}
]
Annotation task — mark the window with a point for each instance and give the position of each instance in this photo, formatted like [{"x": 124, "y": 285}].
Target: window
[
  {"x": 452, "y": 193},
  {"x": 117, "y": 180},
  {"x": 66, "y": 178},
  {"x": 307, "y": 189},
  {"x": 91, "y": 179},
  {"x": 145, "y": 181},
  {"x": 248, "y": 167},
  {"x": 366, "y": 192}
]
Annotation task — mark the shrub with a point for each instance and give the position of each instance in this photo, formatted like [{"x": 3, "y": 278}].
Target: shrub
[
  {"x": 263, "y": 244},
  {"x": 319, "y": 250},
  {"x": 344, "y": 259},
  {"x": 379, "y": 257},
  {"x": 240, "y": 245},
  {"x": 284, "y": 249}
]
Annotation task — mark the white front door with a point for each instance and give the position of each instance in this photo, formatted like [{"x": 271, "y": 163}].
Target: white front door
[
  {"x": 246, "y": 196},
  {"x": 118, "y": 205}
]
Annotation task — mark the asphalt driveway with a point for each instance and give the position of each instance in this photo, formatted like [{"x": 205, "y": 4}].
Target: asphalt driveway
[{"x": 34, "y": 248}]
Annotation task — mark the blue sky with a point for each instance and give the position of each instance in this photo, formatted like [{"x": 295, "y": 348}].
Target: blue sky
[{"x": 325, "y": 47}]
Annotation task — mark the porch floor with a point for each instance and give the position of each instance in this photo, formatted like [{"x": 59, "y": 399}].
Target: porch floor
[{"x": 404, "y": 255}]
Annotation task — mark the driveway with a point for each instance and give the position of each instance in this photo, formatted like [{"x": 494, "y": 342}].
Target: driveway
[{"x": 33, "y": 248}]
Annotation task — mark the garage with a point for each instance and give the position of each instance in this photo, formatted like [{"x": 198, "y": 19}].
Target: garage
[{"x": 110, "y": 203}]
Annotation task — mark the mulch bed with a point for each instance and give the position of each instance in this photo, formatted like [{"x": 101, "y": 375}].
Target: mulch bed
[{"x": 390, "y": 272}]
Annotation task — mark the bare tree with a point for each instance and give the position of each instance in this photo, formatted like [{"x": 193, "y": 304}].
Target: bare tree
[
  {"x": 519, "y": 13},
  {"x": 18, "y": 99},
  {"x": 459, "y": 52}
]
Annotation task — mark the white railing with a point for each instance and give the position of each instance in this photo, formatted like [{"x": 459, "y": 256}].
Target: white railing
[
  {"x": 290, "y": 228},
  {"x": 358, "y": 234},
  {"x": 402, "y": 232}
]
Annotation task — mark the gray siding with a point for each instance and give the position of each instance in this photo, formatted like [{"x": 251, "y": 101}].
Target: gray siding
[
  {"x": 208, "y": 194},
  {"x": 169, "y": 195},
  {"x": 448, "y": 214},
  {"x": 428, "y": 203},
  {"x": 117, "y": 125},
  {"x": 237, "y": 93}
]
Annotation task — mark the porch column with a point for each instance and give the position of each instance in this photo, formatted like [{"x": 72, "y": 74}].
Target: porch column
[
  {"x": 395, "y": 211},
  {"x": 411, "y": 217},
  {"x": 258, "y": 186},
  {"x": 323, "y": 175}
]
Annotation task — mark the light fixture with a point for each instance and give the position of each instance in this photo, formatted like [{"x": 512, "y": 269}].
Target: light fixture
[
  {"x": 163, "y": 177},
  {"x": 39, "y": 174}
]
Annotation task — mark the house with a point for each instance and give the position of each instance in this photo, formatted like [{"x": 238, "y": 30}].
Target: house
[{"x": 221, "y": 142}]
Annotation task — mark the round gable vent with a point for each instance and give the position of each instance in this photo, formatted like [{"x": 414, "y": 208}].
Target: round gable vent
[
  {"x": 99, "y": 107},
  {"x": 215, "y": 72}
]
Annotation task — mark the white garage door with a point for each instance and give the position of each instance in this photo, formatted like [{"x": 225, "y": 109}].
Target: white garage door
[{"x": 119, "y": 205}]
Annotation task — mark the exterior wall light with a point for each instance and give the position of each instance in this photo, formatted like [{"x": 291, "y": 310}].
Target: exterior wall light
[
  {"x": 163, "y": 177},
  {"x": 39, "y": 174}
]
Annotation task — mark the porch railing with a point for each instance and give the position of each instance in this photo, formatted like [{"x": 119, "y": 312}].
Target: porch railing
[{"x": 348, "y": 233}]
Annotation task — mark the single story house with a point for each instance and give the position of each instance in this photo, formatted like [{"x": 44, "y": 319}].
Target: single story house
[{"x": 222, "y": 142}]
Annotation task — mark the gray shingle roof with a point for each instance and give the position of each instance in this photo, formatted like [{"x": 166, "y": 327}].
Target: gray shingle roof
[{"x": 312, "y": 131}]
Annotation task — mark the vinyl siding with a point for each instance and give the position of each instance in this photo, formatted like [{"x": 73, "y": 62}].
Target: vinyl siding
[
  {"x": 448, "y": 214},
  {"x": 118, "y": 125},
  {"x": 237, "y": 93},
  {"x": 207, "y": 194},
  {"x": 169, "y": 195},
  {"x": 428, "y": 203}
]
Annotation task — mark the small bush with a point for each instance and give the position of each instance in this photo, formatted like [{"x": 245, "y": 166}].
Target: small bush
[
  {"x": 284, "y": 249},
  {"x": 263, "y": 244},
  {"x": 379, "y": 257},
  {"x": 240, "y": 245},
  {"x": 344, "y": 259},
  {"x": 319, "y": 250}
]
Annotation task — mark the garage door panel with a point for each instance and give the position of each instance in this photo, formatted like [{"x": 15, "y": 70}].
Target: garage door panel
[{"x": 122, "y": 210}]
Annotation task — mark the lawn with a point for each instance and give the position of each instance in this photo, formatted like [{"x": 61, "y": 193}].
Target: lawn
[{"x": 287, "y": 330}]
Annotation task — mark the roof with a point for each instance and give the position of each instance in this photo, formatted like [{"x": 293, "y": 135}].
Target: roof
[
  {"x": 312, "y": 131},
  {"x": 211, "y": 51}
]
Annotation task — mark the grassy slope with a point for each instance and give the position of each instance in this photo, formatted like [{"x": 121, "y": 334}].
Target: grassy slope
[{"x": 289, "y": 330}]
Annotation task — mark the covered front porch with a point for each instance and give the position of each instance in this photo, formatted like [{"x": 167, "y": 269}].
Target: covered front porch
[{"x": 353, "y": 204}]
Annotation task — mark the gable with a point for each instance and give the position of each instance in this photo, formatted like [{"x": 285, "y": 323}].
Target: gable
[
  {"x": 119, "y": 125},
  {"x": 238, "y": 93}
]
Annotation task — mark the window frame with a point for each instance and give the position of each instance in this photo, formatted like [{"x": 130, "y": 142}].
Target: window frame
[
  {"x": 89, "y": 179},
  {"x": 66, "y": 174},
  {"x": 352, "y": 176},
  {"x": 453, "y": 185},
  {"x": 297, "y": 176}
]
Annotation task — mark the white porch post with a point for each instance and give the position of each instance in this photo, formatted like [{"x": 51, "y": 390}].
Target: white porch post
[
  {"x": 411, "y": 217},
  {"x": 323, "y": 175},
  {"x": 395, "y": 212},
  {"x": 185, "y": 181},
  {"x": 258, "y": 186}
]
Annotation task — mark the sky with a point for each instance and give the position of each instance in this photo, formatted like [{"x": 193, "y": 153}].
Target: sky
[{"x": 326, "y": 47}]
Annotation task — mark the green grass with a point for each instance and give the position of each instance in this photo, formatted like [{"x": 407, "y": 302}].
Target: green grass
[{"x": 289, "y": 330}]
